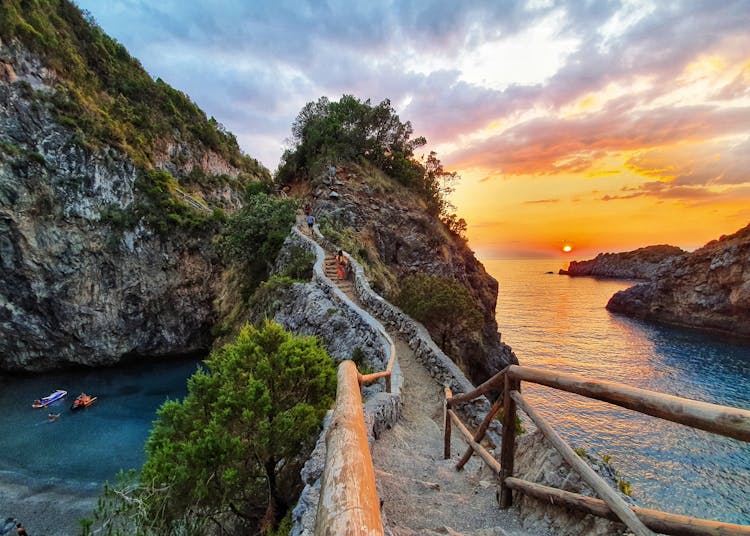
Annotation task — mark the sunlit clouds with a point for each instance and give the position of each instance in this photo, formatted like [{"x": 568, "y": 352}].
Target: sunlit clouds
[{"x": 612, "y": 125}]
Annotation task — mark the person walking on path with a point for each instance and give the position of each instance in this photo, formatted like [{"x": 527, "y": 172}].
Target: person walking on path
[{"x": 310, "y": 222}]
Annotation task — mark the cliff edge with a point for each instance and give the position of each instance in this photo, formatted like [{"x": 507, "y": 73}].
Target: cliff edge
[
  {"x": 707, "y": 289},
  {"x": 386, "y": 227}
]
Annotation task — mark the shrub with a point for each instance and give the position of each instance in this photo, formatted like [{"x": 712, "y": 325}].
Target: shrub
[
  {"x": 443, "y": 305},
  {"x": 253, "y": 236},
  {"x": 220, "y": 455}
]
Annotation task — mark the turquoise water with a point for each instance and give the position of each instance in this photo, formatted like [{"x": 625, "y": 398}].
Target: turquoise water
[
  {"x": 559, "y": 322},
  {"x": 82, "y": 449}
]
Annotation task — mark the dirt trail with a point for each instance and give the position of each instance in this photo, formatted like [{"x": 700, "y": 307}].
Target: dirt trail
[{"x": 421, "y": 492}]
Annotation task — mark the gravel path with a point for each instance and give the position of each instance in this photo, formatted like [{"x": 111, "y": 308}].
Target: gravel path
[{"x": 422, "y": 492}]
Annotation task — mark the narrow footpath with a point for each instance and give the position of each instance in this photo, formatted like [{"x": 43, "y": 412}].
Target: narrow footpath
[{"x": 423, "y": 494}]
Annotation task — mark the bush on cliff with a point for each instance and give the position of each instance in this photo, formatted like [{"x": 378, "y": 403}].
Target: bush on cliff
[
  {"x": 253, "y": 236},
  {"x": 227, "y": 456},
  {"x": 442, "y": 304}
]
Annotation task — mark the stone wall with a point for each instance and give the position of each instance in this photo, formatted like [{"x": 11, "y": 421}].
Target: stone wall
[
  {"x": 381, "y": 409},
  {"x": 436, "y": 362}
]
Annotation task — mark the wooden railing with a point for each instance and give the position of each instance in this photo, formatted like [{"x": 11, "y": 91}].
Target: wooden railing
[
  {"x": 726, "y": 421},
  {"x": 348, "y": 503}
]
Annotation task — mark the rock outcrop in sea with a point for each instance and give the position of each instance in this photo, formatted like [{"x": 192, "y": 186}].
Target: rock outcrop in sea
[
  {"x": 94, "y": 271},
  {"x": 643, "y": 263},
  {"x": 708, "y": 289}
]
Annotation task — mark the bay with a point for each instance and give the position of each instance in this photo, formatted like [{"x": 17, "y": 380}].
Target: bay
[{"x": 66, "y": 461}]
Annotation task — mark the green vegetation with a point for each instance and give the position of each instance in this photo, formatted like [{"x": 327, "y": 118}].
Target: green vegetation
[
  {"x": 299, "y": 265},
  {"x": 264, "y": 302},
  {"x": 349, "y": 130},
  {"x": 227, "y": 456},
  {"x": 443, "y": 305},
  {"x": 624, "y": 486},
  {"x": 253, "y": 237},
  {"x": 104, "y": 94},
  {"x": 520, "y": 430},
  {"x": 358, "y": 356}
]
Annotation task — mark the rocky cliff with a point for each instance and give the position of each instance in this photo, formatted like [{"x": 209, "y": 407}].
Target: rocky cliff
[
  {"x": 643, "y": 263},
  {"x": 387, "y": 228},
  {"x": 104, "y": 257},
  {"x": 707, "y": 289}
]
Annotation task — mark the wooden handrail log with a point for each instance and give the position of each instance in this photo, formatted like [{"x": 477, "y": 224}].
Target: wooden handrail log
[
  {"x": 613, "y": 500},
  {"x": 661, "y": 522},
  {"x": 369, "y": 378},
  {"x": 722, "y": 420},
  {"x": 467, "y": 436},
  {"x": 348, "y": 498},
  {"x": 496, "y": 382}
]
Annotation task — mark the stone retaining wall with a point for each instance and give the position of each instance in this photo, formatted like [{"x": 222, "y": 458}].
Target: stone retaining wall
[
  {"x": 536, "y": 459},
  {"x": 381, "y": 409}
]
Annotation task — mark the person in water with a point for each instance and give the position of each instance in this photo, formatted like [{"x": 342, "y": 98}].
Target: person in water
[
  {"x": 20, "y": 530},
  {"x": 53, "y": 417}
]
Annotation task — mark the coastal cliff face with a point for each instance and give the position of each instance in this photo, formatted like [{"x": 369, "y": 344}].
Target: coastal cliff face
[
  {"x": 643, "y": 263},
  {"x": 95, "y": 268},
  {"x": 387, "y": 228},
  {"x": 707, "y": 289}
]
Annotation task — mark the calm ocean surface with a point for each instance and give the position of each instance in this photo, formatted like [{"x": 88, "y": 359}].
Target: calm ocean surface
[
  {"x": 558, "y": 322},
  {"x": 82, "y": 449}
]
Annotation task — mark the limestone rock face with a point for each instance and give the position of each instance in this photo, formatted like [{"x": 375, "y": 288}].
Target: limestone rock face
[
  {"x": 644, "y": 263},
  {"x": 395, "y": 237},
  {"x": 707, "y": 289},
  {"x": 76, "y": 288}
]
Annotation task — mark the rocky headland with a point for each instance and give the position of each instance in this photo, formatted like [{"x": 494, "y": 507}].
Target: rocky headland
[
  {"x": 386, "y": 227},
  {"x": 643, "y": 263},
  {"x": 707, "y": 289}
]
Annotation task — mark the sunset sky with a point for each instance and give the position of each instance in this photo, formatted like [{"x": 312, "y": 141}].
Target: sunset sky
[{"x": 607, "y": 125}]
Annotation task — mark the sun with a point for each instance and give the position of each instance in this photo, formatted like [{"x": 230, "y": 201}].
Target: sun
[{"x": 567, "y": 248}]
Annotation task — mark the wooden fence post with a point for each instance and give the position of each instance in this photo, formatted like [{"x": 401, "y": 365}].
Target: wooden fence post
[
  {"x": 447, "y": 420},
  {"x": 509, "y": 441}
]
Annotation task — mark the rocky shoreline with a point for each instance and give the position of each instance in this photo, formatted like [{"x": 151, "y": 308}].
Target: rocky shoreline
[{"x": 708, "y": 289}]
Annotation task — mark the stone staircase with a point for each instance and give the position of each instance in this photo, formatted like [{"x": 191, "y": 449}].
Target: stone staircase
[{"x": 329, "y": 267}]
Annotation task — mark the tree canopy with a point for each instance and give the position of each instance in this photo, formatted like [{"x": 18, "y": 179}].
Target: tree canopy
[
  {"x": 225, "y": 454},
  {"x": 349, "y": 130},
  {"x": 254, "y": 235},
  {"x": 328, "y": 132}
]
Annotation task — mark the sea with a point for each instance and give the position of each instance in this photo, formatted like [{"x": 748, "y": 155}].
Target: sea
[{"x": 560, "y": 323}]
